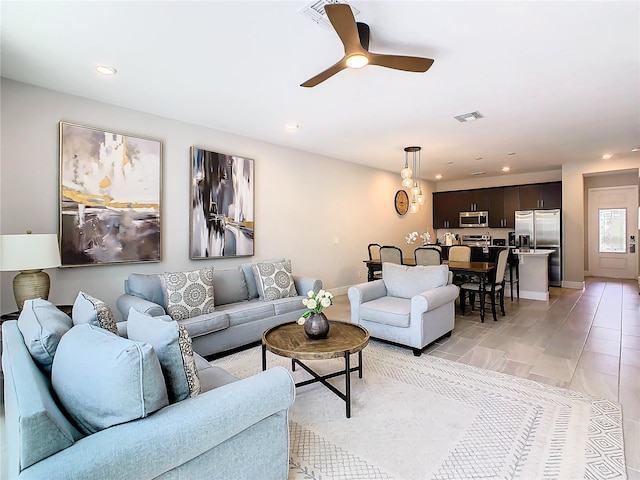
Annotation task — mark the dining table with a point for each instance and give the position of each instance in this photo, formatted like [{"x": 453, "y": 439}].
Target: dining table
[{"x": 481, "y": 270}]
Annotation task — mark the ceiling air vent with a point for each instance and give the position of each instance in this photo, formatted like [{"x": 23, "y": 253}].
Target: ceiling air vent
[
  {"x": 315, "y": 11},
  {"x": 469, "y": 117}
]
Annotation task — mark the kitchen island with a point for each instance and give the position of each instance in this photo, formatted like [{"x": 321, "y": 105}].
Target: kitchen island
[{"x": 534, "y": 274}]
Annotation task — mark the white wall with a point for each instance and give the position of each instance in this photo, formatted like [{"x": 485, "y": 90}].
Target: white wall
[{"x": 303, "y": 201}]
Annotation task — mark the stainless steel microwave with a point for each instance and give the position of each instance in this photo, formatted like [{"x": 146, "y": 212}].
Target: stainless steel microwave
[{"x": 474, "y": 219}]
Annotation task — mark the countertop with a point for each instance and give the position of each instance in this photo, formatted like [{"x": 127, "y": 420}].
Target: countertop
[{"x": 536, "y": 252}]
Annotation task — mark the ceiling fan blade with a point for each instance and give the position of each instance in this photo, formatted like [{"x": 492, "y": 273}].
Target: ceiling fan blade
[
  {"x": 344, "y": 23},
  {"x": 329, "y": 72},
  {"x": 400, "y": 62}
]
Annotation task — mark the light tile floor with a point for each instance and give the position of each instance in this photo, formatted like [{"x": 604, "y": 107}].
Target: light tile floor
[{"x": 584, "y": 340}]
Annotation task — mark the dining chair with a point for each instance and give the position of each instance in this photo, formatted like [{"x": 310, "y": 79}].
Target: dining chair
[
  {"x": 495, "y": 286},
  {"x": 390, "y": 254},
  {"x": 374, "y": 254},
  {"x": 427, "y": 256},
  {"x": 460, "y": 253}
]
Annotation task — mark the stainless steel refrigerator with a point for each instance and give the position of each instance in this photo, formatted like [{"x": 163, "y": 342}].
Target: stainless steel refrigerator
[{"x": 543, "y": 228}]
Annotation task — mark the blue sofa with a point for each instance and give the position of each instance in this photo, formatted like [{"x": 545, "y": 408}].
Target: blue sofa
[
  {"x": 241, "y": 313},
  {"x": 234, "y": 429}
]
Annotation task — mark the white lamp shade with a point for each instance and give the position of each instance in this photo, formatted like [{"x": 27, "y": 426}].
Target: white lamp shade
[{"x": 29, "y": 252}]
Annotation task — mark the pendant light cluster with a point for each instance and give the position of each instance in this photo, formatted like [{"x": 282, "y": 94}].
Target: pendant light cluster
[{"x": 411, "y": 178}]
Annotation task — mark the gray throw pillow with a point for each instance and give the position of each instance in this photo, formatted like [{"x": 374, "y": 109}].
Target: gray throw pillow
[
  {"x": 189, "y": 294},
  {"x": 88, "y": 309},
  {"x": 42, "y": 326},
  {"x": 274, "y": 280},
  {"x": 173, "y": 346},
  {"x": 102, "y": 379}
]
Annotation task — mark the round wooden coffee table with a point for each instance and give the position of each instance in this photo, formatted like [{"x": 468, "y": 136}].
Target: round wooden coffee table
[{"x": 344, "y": 339}]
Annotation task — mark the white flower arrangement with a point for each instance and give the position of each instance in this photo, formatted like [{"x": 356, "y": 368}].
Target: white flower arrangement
[
  {"x": 315, "y": 303},
  {"x": 413, "y": 236}
]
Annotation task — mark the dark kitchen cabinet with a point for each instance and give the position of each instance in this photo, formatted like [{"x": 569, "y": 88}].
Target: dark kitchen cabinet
[
  {"x": 541, "y": 195},
  {"x": 474, "y": 200},
  {"x": 445, "y": 210},
  {"x": 511, "y": 204},
  {"x": 503, "y": 203}
]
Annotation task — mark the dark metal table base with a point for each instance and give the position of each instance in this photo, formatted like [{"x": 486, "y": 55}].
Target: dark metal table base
[{"x": 323, "y": 378}]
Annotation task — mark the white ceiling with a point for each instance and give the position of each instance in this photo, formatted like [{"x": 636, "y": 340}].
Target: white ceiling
[{"x": 557, "y": 82}]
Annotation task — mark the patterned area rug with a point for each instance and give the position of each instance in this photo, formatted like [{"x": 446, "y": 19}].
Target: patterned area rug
[{"x": 428, "y": 418}]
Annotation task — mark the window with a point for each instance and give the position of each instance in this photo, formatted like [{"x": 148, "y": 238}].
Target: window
[{"x": 612, "y": 230}]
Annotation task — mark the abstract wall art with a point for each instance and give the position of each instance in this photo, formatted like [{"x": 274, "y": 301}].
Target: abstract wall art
[
  {"x": 110, "y": 189},
  {"x": 222, "y": 205}
]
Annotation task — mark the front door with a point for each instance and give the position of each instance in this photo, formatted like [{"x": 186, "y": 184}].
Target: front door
[{"x": 613, "y": 231}]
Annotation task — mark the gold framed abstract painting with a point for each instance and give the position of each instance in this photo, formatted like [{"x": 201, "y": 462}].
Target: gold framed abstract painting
[
  {"x": 222, "y": 205},
  {"x": 110, "y": 190}
]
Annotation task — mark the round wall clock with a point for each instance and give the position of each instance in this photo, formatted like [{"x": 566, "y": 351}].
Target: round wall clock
[{"x": 402, "y": 202}]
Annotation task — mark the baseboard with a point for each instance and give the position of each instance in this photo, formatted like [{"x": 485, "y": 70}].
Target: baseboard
[
  {"x": 576, "y": 285},
  {"x": 543, "y": 296},
  {"x": 339, "y": 290}
]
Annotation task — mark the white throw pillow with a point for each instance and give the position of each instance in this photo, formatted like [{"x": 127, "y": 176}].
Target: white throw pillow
[
  {"x": 189, "y": 294},
  {"x": 274, "y": 280}
]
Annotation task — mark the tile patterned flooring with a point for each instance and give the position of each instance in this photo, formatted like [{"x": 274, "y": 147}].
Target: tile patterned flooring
[{"x": 584, "y": 340}]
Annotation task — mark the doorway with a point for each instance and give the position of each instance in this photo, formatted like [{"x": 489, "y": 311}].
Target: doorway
[{"x": 612, "y": 231}]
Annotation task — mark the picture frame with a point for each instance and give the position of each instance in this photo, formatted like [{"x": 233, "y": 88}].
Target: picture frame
[
  {"x": 110, "y": 197},
  {"x": 222, "y": 205}
]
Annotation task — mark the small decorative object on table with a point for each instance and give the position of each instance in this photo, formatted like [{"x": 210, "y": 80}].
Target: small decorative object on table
[{"x": 316, "y": 325}]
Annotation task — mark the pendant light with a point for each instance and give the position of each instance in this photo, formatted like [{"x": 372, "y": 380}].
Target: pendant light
[{"x": 417, "y": 198}]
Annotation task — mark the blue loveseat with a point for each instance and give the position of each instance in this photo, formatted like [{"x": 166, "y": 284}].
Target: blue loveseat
[{"x": 234, "y": 429}]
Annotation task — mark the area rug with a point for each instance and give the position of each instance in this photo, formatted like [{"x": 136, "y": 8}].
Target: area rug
[{"x": 427, "y": 418}]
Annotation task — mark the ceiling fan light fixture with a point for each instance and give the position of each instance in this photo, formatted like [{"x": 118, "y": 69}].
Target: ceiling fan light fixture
[{"x": 357, "y": 61}]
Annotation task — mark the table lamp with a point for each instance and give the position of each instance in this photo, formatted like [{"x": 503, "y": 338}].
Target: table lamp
[{"x": 29, "y": 254}]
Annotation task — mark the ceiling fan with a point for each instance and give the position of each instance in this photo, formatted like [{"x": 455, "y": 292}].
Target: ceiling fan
[{"x": 355, "y": 38}]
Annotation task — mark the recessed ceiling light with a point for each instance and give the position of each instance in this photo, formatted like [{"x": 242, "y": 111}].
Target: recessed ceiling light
[
  {"x": 438, "y": 177},
  {"x": 292, "y": 127},
  {"x": 106, "y": 70},
  {"x": 606, "y": 156},
  {"x": 635, "y": 149},
  {"x": 475, "y": 174},
  {"x": 478, "y": 158},
  {"x": 449, "y": 163},
  {"x": 506, "y": 168},
  {"x": 511, "y": 153}
]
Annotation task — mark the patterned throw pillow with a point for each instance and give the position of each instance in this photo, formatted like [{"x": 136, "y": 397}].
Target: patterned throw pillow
[
  {"x": 174, "y": 348},
  {"x": 88, "y": 309},
  {"x": 189, "y": 294},
  {"x": 274, "y": 280}
]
